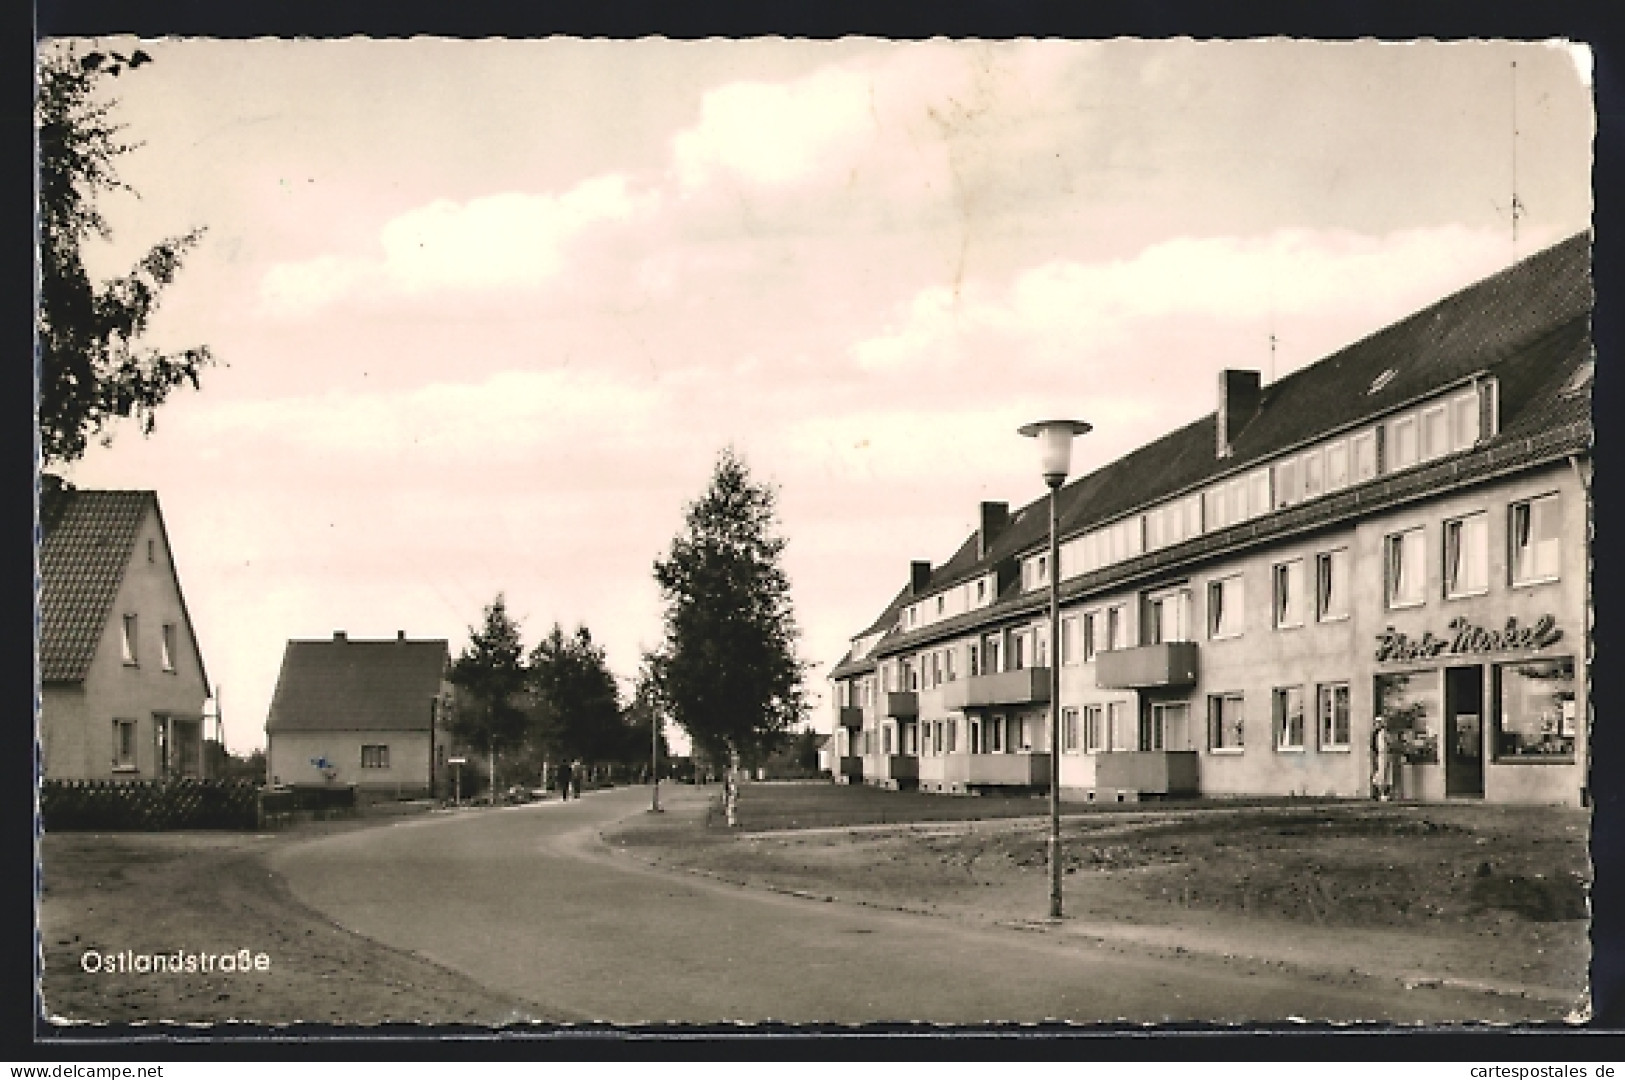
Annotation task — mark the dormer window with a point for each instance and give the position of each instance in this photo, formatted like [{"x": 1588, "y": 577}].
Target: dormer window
[
  {"x": 981, "y": 590},
  {"x": 939, "y": 605}
]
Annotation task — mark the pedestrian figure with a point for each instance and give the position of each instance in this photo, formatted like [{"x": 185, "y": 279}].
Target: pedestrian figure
[
  {"x": 575, "y": 776},
  {"x": 564, "y": 780},
  {"x": 1382, "y": 757}
]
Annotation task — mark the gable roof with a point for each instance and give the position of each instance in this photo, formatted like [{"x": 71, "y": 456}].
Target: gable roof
[
  {"x": 1528, "y": 325},
  {"x": 87, "y": 541},
  {"x": 348, "y": 685}
]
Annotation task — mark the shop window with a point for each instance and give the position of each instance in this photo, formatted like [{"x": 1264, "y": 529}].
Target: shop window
[
  {"x": 1332, "y": 711},
  {"x": 1288, "y": 711},
  {"x": 1403, "y": 568},
  {"x": 1332, "y": 585},
  {"x": 1536, "y": 540},
  {"x": 1409, "y": 704},
  {"x": 1467, "y": 556},
  {"x": 1226, "y": 726},
  {"x": 1289, "y": 594},
  {"x": 1224, "y": 607},
  {"x": 374, "y": 757},
  {"x": 1537, "y": 713}
]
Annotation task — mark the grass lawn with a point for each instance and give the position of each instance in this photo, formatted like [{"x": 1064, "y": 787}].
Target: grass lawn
[{"x": 1481, "y": 894}]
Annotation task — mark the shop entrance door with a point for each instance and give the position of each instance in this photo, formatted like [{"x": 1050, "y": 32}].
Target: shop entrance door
[{"x": 1464, "y": 731}]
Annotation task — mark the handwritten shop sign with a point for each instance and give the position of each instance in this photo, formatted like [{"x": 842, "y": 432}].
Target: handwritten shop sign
[{"x": 1464, "y": 637}]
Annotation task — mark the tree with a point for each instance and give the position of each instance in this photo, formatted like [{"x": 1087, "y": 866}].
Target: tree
[
  {"x": 577, "y": 704},
  {"x": 491, "y": 671},
  {"x": 727, "y": 669},
  {"x": 93, "y": 367}
]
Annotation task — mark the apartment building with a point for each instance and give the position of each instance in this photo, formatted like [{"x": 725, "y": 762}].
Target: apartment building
[{"x": 1389, "y": 546}]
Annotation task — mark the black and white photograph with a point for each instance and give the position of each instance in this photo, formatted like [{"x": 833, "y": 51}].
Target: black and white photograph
[{"x": 553, "y": 532}]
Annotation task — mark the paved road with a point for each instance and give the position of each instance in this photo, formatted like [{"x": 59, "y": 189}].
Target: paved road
[{"x": 528, "y": 902}]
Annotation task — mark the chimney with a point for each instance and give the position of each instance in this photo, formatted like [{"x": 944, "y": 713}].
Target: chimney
[
  {"x": 1239, "y": 394},
  {"x": 400, "y": 635},
  {"x": 919, "y": 576},
  {"x": 340, "y": 635},
  {"x": 995, "y": 516}
]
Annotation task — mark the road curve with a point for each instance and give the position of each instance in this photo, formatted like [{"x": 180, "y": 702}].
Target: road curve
[{"x": 528, "y": 902}]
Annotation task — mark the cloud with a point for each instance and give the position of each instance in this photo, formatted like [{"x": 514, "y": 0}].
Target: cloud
[{"x": 494, "y": 242}]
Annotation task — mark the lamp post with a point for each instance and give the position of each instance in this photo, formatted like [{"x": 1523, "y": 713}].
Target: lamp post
[
  {"x": 654, "y": 757},
  {"x": 1055, "y": 454}
]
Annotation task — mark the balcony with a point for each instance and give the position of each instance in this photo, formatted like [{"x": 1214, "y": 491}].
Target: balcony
[
  {"x": 850, "y": 770},
  {"x": 895, "y": 770},
  {"x": 1170, "y": 664},
  {"x": 1027, "y": 769},
  {"x": 851, "y": 716},
  {"x": 1024, "y": 687},
  {"x": 903, "y": 706},
  {"x": 1148, "y": 772}
]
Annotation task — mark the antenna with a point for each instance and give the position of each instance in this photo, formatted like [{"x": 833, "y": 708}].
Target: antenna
[{"x": 1517, "y": 205}]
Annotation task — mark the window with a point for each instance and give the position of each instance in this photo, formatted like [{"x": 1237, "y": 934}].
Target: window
[
  {"x": 1018, "y": 651},
  {"x": 936, "y": 668},
  {"x": 1337, "y": 465},
  {"x": 953, "y": 732},
  {"x": 1289, "y": 718},
  {"x": 1260, "y": 483},
  {"x": 1536, "y": 710},
  {"x": 975, "y": 659},
  {"x": 1224, "y": 607},
  {"x": 1314, "y": 474},
  {"x": 1289, "y": 594},
  {"x": 1170, "y": 726},
  {"x": 885, "y": 739},
  {"x": 152, "y": 551},
  {"x": 1536, "y": 540},
  {"x": 1069, "y": 731},
  {"x": 1235, "y": 502},
  {"x": 1153, "y": 529},
  {"x": 1150, "y": 730},
  {"x": 1402, "y": 556},
  {"x": 948, "y": 664},
  {"x": 1193, "y": 513},
  {"x": 1118, "y": 731},
  {"x": 167, "y": 645},
  {"x": 981, "y": 590},
  {"x": 1225, "y": 724},
  {"x": 127, "y": 641},
  {"x": 1401, "y": 443},
  {"x": 1069, "y": 640},
  {"x": 1435, "y": 432},
  {"x": 1464, "y": 420},
  {"x": 1332, "y": 585},
  {"x": 1114, "y": 627},
  {"x": 374, "y": 757},
  {"x": 1365, "y": 456},
  {"x": 1332, "y": 710},
  {"x": 990, "y": 650},
  {"x": 1214, "y": 505},
  {"x": 1091, "y": 644},
  {"x": 1287, "y": 481},
  {"x": 1166, "y": 616},
  {"x": 1409, "y": 704},
  {"x": 1093, "y": 736},
  {"x": 124, "y": 744},
  {"x": 940, "y": 601},
  {"x": 1467, "y": 556}
]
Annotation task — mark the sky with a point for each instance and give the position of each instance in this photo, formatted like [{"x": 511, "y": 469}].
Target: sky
[{"x": 487, "y": 311}]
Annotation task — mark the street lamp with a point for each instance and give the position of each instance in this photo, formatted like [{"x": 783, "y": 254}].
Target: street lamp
[
  {"x": 1055, "y": 453},
  {"x": 654, "y": 757}
]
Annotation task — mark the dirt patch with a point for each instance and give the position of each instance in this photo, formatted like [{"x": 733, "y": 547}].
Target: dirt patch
[
  {"x": 204, "y": 892},
  {"x": 1480, "y": 895}
]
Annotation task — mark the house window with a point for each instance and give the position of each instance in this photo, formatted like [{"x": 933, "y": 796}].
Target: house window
[
  {"x": 952, "y": 735},
  {"x": 1401, "y": 443},
  {"x": 1224, "y": 607},
  {"x": 127, "y": 640},
  {"x": 1365, "y": 456},
  {"x": 1041, "y": 646},
  {"x": 1114, "y": 627},
  {"x": 1193, "y": 514},
  {"x": 1213, "y": 504},
  {"x": 1018, "y": 651},
  {"x": 1093, "y": 737},
  {"x": 981, "y": 590},
  {"x": 1289, "y": 718},
  {"x": 1536, "y": 714},
  {"x": 1153, "y": 530},
  {"x": 1069, "y": 731},
  {"x": 1260, "y": 482},
  {"x": 1314, "y": 474},
  {"x": 1337, "y": 465},
  {"x": 1435, "y": 432},
  {"x": 1166, "y": 617},
  {"x": 167, "y": 643},
  {"x": 1150, "y": 730},
  {"x": 124, "y": 744},
  {"x": 940, "y": 602},
  {"x": 1332, "y": 585},
  {"x": 1287, "y": 483},
  {"x": 1467, "y": 556},
  {"x": 1118, "y": 731},
  {"x": 1536, "y": 540},
  {"x": 1402, "y": 558},
  {"x": 1332, "y": 709},
  {"x": 374, "y": 757},
  {"x": 1289, "y": 594},
  {"x": 1236, "y": 500},
  {"x": 975, "y": 659},
  {"x": 990, "y": 649},
  {"x": 1226, "y": 727},
  {"x": 885, "y": 739},
  {"x": 948, "y": 664},
  {"x": 1091, "y": 644},
  {"x": 1464, "y": 420},
  {"x": 1069, "y": 640},
  {"x": 1170, "y": 726}
]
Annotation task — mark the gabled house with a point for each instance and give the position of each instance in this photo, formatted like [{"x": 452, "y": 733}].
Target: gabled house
[
  {"x": 122, "y": 683},
  {"x": 368, "y": 713}
]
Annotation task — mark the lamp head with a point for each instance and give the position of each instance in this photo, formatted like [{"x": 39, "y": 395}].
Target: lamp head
[{"x": 1055, "y": 446}]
